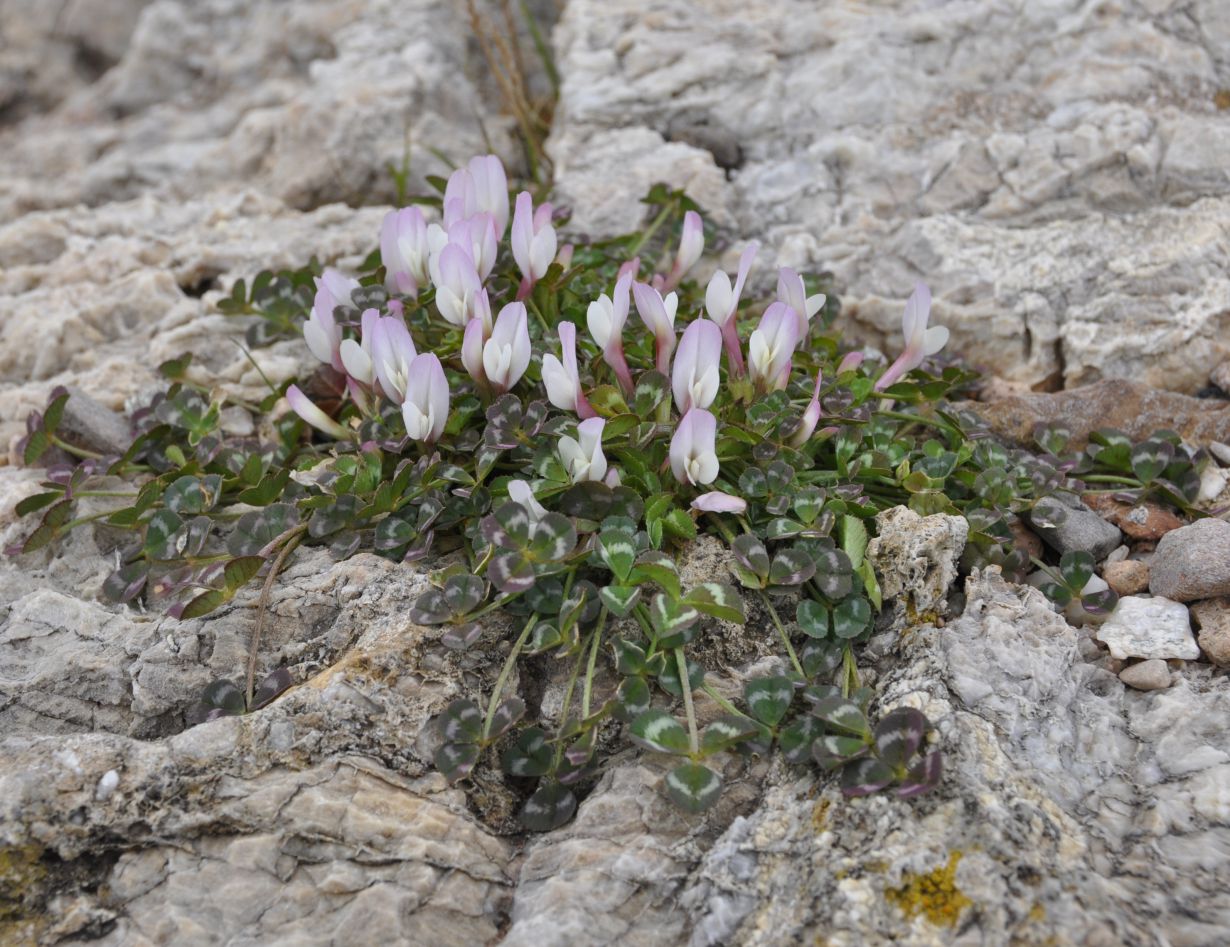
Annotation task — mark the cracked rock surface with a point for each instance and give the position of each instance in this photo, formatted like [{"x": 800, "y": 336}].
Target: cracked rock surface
[{"x": 1055, "y": 171}]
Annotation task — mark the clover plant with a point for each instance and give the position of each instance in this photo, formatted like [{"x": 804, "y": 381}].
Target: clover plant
[{"x": 547, "y": 427}]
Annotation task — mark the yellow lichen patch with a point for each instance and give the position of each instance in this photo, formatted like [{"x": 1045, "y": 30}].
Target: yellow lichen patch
[
  {"x": 1222, "y": 99},
  {"x": 22, "y": 873},
  {"x": 934, "y": 895},
  {"x": 820, "y": 815}
]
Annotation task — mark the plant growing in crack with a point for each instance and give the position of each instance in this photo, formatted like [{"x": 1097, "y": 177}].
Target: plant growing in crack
[{"x": 459, "y": 419}]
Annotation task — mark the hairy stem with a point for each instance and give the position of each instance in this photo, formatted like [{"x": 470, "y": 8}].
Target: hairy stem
[
  {"x": 505, "y": 671},
  {"x": 781, "y": 630},
  {"x": 262, "y": 607}
]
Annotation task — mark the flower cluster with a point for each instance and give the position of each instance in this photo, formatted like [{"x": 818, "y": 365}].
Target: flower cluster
[{"x": 454, "y": 259}]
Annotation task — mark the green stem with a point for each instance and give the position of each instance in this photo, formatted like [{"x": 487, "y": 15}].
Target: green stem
[
  {"x": 723, "y": 702},
  {"x": 72, "y": 449},
  {"x": 658, "y": 221},
  {"x": 1108, "y": 478},
  {"x": 929, "y": 422},
  {"x": 685, "y": 684},
  {"x": 781, "y": 630},
  {"x": 849, "y": 675},
  {"x": 587, "y": 692},
  {"x": 504, "y": 672},
  {"x": 499, "y": 602}
]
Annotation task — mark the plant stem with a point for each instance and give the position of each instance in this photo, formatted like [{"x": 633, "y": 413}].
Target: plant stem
[
  {"x": 567, "y": 705},
  {"x": 723, "y": 702},
  {"x": 781, "y": 630},
  {"x": 75, "y": 451},
  {"x": 651, "y": 230},
  {"x": 588, "y": 690},
  {"x": 505, "y": 671},
  {"x": 262, "y": 607},
  {"x": 685, "y": 684},
  {"x": 1109, "y": 478},
  {"x": 849, "y": 674}
]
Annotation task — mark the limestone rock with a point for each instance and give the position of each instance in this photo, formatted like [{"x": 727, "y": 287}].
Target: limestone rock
[
  {"x": 306, "y": 101},
  {"x": 1213, "y": 620},
  {"x": 1081, "y": 239},
  {"x": 1151, "y": 675},
  {"x": 1192, "y": 562},
  {"x": 1068, "y": 525},
  {"x": 1127, "y": 577},
  {"x": 1133, "y": 408},
  {"x": 1144, "y": 627},
  {"x": 915, "y": 558}
]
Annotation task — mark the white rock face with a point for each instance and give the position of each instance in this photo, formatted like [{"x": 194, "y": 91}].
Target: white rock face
[
  {"x": 1056, "y": 171},
  {"x": 1155, "y": 627}
]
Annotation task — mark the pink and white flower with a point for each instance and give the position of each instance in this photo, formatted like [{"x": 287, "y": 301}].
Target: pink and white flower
[
  {"x": 693, "y": 451},
  {"x": 425, "y": 408},
  {"x": 476, "y": 235},
  {"x": 722, "y": 301},
  {"x": 691, "y": 246},
  {"x": 457, "y": 285},
  {"x": 404, "y": 251},
  {"x": 499, "y": 360},
  {"x": 920, "y": 341},
  {"x": 533, "y": 241},
  {"x": 519, "y": 492},
  {"x": 658, "y": 314},
  {"x": 321, "y": 332},
  {"x": 811, "y": 416},
  {"x": 562, "y": 378},
  {"x": 791, "y": 291},
  {"x": 481, "y": 187},
  {"x": 695, "y": 377},
  {"x": 772, "y": 346},
  {"x": 303, "y": 406},
  {"x": 718, "y": 502},
  {"x": 606, "y": 318},
  {"x": 583, "y": 458},
  {"x": 393, "y": 354}
]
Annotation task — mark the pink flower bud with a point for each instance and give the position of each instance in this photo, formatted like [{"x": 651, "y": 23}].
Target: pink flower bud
[
  {"x": 303, "y": 407},
  {"x": 583, "y": 457},
  {"x": 533, "y": 241},
  {"x": 790, "y": 290},
  {"x": 658, "y": 314},
  {"x": 694, "y": 378},
  {"x": 772, "y": 346},
  {"x": 919, "y": 340},
  {"x": 404, "y": 251},
  {"x": 425, "y": 410},
  {"x": 693, "y": 450},
  {"x": 562, "y": 378},
  {"x": 718, "y": 502}
]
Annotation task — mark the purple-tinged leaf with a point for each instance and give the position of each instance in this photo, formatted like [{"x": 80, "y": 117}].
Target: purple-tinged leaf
[
  {"x": 864, "y": 777},
  {"x": 831, "y": 751},
  {"x": 510, "y": 710},
  {"x": 276, "y": 682},
  {"x": 899, "y": 734},
  {"x": 843, "y": 716},
  {"x": 693, "y": 787},
  {"x": 529, "y": 756},
  {"x": 550, "y": 807},
  {"x": 456, "y": 760},
  {"x": 511, "y": 573},
  {"x": 461, "y": 722},
  {"x": 461, "y": 637},
  {"x": 923, "y": 777},
  {"x": 658, "y": 730},
  {"x": 768, "y": 698},
  {"x": 797, "y": 737}
]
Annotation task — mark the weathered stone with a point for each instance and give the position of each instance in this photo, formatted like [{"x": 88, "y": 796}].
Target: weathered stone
[
  {"x": 915, "y": 559},
  {"x": 1127, "y": 577},
  {"x": 1133, "y": 408},
  {"x": 1212, "y": 618},
  {"x": 1143, "y": 627},
  {"x": 1151, "y": 675},
  {"x": 1146, "y": 521},
  {"x": 1193, "y": 562},
  {"x": 1067, "y": 525},
  {"x": 1082, "y": 239}
]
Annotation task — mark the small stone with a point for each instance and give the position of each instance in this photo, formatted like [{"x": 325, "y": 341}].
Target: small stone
[
  {"x": 1213, "y": 481},
  {"x": 1068, "y": 525},
  {"x": 1192, "y": 562},
  {"x": 1220, "y": 376},
  {"x": 92, "y": 425},
  {"x": 1127, "y": 577},
  {"x": 1213, "y": 619},
  {"x": 1151, "y": 675},
  {"x": 1118, "y": 555},
  {"x": 917, "y": 556},
  {"x": 1221, "y": 452},
  {"x": 1146, "y": 521},
  {"x": 1154, "y": 627}
]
